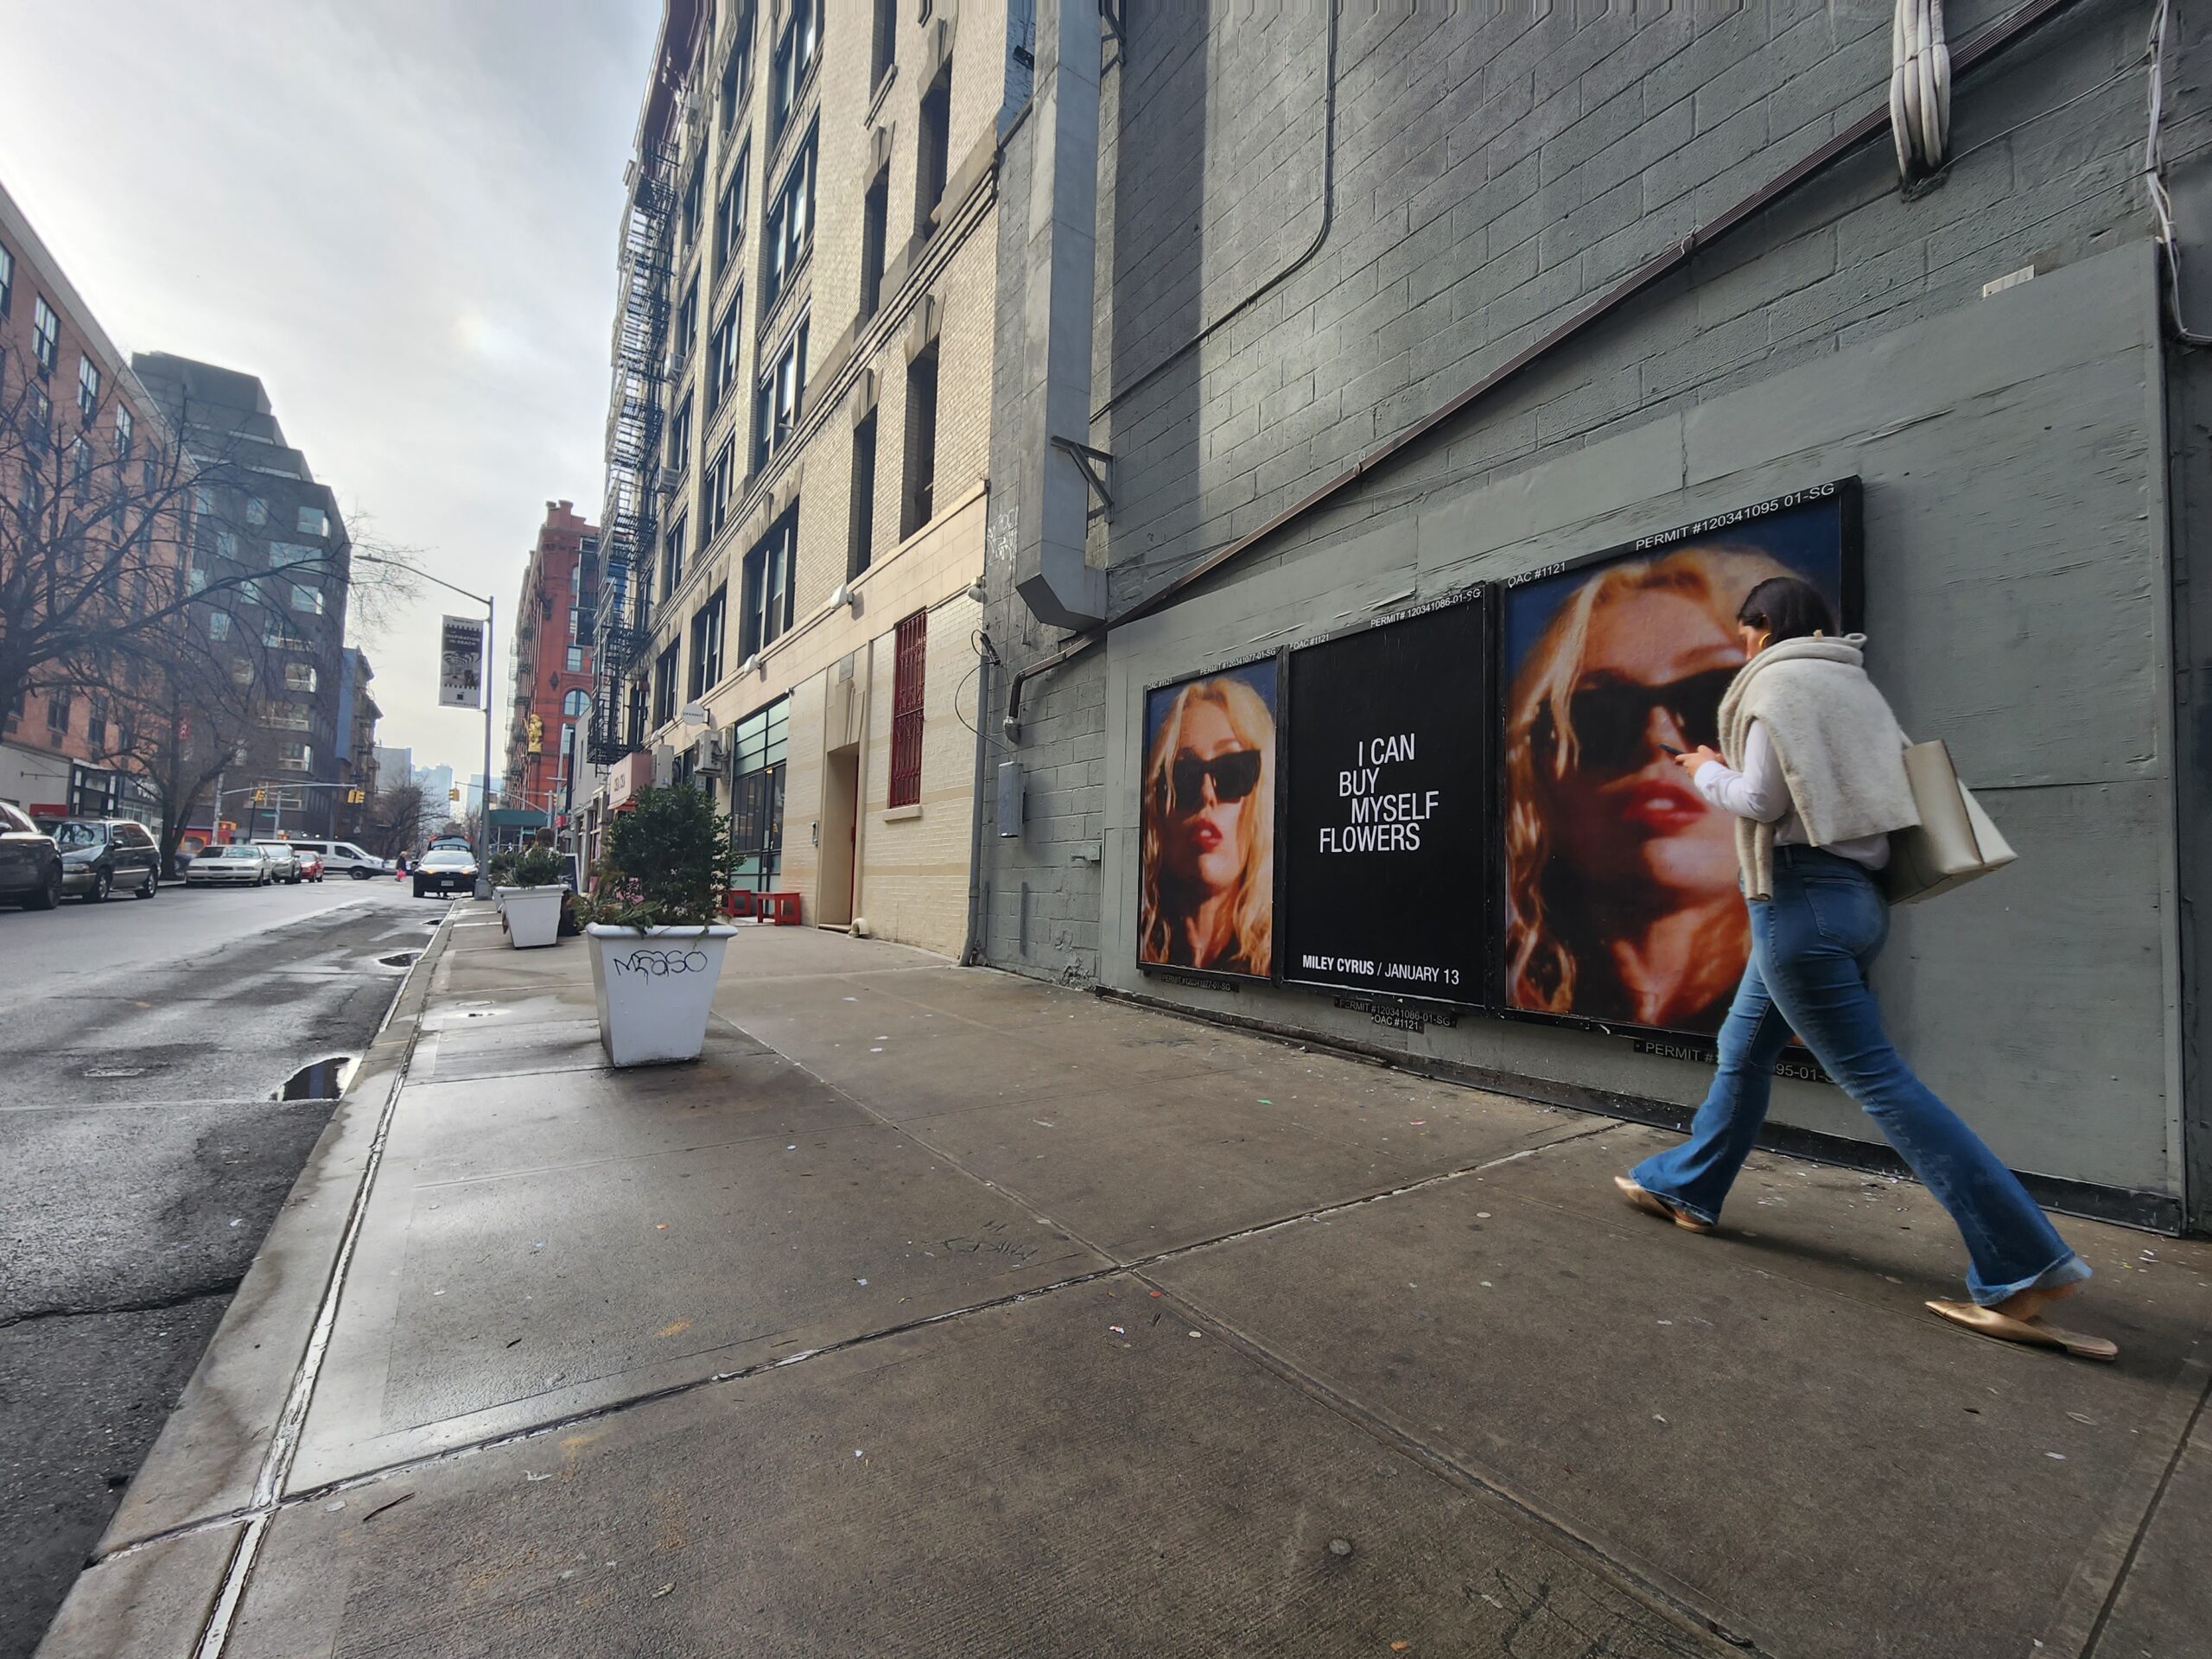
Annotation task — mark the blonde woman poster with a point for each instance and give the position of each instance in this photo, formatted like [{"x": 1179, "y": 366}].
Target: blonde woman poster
[
  {"x": 1621, "y": 902},
  {"x": 1207, "y": 881}
]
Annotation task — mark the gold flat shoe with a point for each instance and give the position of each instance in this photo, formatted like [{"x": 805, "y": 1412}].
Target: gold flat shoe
[
  {"x": 2003, "y": 1327},
  {"x": 1652, "y": 1205}
]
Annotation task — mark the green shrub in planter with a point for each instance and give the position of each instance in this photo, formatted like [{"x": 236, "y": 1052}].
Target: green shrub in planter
[
  {"x": 666, "y": 863},
  {"x": 538, "y": 867},
  {"x": 499, "y": 868}
]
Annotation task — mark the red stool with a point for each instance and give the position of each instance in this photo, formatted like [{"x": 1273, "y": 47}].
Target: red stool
[
  {"x": 781, "y": 908},
  {"x": 739, "y": 901}
]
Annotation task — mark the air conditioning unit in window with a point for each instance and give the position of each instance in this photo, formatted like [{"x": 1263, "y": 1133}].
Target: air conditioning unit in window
[{"x": 706, "y": 756}]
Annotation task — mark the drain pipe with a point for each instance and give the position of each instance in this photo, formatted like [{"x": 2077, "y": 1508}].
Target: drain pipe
[
  {"x": 971, "y": 950},
  {"x": 1976, "y": 51}
]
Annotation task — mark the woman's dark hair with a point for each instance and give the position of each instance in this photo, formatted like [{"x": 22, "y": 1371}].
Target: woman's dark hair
[{"x": 1786, "y": 608}]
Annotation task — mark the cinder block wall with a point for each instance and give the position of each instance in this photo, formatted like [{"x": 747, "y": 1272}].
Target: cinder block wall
[{"x": 1485, "y": 176}]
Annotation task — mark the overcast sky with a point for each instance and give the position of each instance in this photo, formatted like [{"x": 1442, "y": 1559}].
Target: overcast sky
[{"x": 400, "y": 214}]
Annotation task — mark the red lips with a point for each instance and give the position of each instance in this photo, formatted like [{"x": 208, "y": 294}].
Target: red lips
[
  {"x": 1206, "y": 834},
  {"x": 1658, "y": 806}
]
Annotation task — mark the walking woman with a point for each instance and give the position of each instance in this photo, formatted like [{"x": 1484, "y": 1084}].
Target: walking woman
[{"x": 1814, "y": 774}]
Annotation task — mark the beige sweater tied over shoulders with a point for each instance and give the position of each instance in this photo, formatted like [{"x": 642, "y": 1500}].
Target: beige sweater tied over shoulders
[{"x": 1841, "y": 751}]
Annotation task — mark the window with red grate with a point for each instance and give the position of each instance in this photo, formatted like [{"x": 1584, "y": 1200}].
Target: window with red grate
[{"x": 907, "y": 710}]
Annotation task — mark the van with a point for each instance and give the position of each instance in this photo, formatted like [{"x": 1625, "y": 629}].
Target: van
[{"x": 344, "y": 855}]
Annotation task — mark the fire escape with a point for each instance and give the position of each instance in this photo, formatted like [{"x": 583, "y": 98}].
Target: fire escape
[{"x": 631, "y": 522}]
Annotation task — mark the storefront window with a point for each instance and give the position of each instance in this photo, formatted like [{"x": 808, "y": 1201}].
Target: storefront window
[{"x": 758, "y": 745}]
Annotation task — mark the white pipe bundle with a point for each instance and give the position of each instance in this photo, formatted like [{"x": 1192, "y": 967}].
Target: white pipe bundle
[{"x": 1920, "y": 87}]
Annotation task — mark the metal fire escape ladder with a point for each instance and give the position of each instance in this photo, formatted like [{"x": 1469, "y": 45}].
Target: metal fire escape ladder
[{"x": 629, "y": 521}]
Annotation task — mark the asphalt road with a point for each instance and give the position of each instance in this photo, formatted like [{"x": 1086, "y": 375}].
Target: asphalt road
[{"x": 144, "y": 1152}]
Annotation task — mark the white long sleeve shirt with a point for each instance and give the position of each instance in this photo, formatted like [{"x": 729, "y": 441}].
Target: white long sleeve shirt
[{"x": 1761, "y": 793}]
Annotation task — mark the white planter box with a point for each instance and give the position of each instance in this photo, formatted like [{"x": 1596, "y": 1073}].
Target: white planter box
[
  {"x": 532, "y": 915},
  {"x": 655, "y": 989}
]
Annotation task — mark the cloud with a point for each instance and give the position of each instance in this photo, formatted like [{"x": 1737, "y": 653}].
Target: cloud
[{"x": 402, "y": 217}]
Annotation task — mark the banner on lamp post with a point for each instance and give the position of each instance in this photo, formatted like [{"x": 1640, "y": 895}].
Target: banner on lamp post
[{"x": 460, "y": 662}]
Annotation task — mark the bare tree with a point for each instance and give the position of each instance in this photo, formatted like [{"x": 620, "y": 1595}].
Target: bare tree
[{"x": 396, "y": 821}]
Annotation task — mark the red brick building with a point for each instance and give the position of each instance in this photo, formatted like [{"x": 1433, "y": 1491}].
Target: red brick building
[
  {"x": 552, "y": 663},
  {"x": 74, "y": 422}
]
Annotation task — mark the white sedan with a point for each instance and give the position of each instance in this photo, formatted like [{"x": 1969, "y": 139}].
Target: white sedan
[{"x": 239, "y": 865}]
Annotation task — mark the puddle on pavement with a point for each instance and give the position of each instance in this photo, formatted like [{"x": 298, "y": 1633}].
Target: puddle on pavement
[{"x": 324, "y": 1080}]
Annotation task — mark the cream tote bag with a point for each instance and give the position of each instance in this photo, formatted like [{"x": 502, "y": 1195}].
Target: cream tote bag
[{"x": 1954, "y": 842}]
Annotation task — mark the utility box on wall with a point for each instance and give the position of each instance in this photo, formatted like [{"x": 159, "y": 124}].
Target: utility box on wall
[{"x": 1010, "y": 797}]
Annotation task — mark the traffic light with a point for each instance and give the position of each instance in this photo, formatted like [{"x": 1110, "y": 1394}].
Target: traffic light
[
  {"x": 260, "y": 797},
  {"x": 453, "y": 794},
  {"x": 354, "y": 797}
]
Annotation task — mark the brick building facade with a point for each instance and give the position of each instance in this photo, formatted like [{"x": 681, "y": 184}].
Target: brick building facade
[
  {"x": 552, "y": 665},
  {"x": 798, "y": 488},
  {"x": 1390, "y": 303},
  {"x": 67, "y": 390}
]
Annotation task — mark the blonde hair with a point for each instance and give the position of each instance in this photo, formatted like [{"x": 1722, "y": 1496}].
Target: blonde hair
[
  {"x": 1545, "y": 952},
  {"x": 1252, "y": 913}
]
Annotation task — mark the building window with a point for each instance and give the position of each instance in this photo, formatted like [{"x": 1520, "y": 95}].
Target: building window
[
  {"x": 296, "y": 757},
  {"x": 279, "y": 635},
  {"x": 123, "y": 428},
  {"x": 634, "y": 729},
  {"x": 768, "y": 595},
  {"x": 575, "y": 703},
  {"x": 791, "y": 223},
  {"x": 707, "y": 630},
  {"x": 289, "y": 716},
  {"x": 96, "y": 723},
  {"x": 721, "y": 485},
  {"x": 695, "y": 194},
  {"x": 300, "y": 676},
  {"x": 40, "y": 418},
  {"x": 860, "y": 551},
  {"x": 575, "y": 659},
  {"x": 307, "y": 598},
  {"x": 314, "y": 522},
  {"x": 88, "y": 387},
  {"x": 218, "y": 622},
  {"x": 934, "y": 154},
  {"x": 664, "y": 685},
  {"x": 721, "y": 356},
  {"x": 738, "y": 70},
  {"x": 46, "y": 334},
  {"x": 917, "y": 501},
  {"x": 57, "y": 712},
  {"x": 7, "y": 280},
  {"x": 679, "y": 438},
  {"x": 671, "y": 558},
  {"x": 875, "y": 225},
  {"x": 686, "y": 325},
  {"x": 909, "y": 648},
  {"x": 257, "y": 511},
  {"x": 226, "y": 543},
  {"x": 729, "y": 213},
  {"x": 796, "y": 52},
  {"x": 776, "y": 412},
  {"x": 759, "y": 749},
  {"x": 284, "y": 554},
  {"x": 80, "y": 466},
  {"x": 883, "y": 42},
  {"x": 196, "y": 581}
]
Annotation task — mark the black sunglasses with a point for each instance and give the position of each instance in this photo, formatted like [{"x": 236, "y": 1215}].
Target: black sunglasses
[
  {"x": 1235, "y": 775},
  {"x": 1611, "y": 721}
]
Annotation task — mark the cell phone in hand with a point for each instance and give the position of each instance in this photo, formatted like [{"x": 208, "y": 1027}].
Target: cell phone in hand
[{"x": 1672, "y": 750}]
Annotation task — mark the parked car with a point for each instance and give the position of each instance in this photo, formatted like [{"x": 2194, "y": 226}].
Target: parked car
[
  {"x": 283, "y": 862},
  {"x": 30, "y": 864},
  {"x": 101, "y": 855},
  {"x": 241, "y": 864},
  {"x": 438, "y": 842},
  {"x": 344, "y": 857},
  {"x": 448, "y": 869},
  {"x": 310, "y": 862}
]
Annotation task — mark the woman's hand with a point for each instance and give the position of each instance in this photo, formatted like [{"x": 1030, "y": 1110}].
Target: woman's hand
[{"x": 1690, "y": 760}]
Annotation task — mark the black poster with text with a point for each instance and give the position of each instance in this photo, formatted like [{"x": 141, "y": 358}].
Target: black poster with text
[{"x": 1386, "y": 841}]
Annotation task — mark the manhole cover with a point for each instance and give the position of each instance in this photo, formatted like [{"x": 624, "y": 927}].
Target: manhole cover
[
  {"x": 116, "y": 1071},
  {"x": 399, "y": 959},
  {"x": 324, "y": 1080}
]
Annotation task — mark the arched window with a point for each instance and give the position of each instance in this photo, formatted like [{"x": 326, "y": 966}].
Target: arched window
[{"x": 575, "y": 704}]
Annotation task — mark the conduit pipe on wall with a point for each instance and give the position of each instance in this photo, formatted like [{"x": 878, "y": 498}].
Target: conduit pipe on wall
[
  {"x": 1969, "y": 57},
  {"x": 1920, "y": 89}
]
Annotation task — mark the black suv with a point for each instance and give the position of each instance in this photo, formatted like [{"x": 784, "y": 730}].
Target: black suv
[
  {"x": 30, "y": 868},
  {"x": 99, "y": 856}
]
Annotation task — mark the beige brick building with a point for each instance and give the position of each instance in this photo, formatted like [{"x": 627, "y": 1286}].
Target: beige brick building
[{"x": 797, "y": 493}]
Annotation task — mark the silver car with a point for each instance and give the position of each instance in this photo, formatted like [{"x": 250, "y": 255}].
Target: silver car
[
  {"x": 283, "y": 862},
  {"x": 241, "y": 864}
]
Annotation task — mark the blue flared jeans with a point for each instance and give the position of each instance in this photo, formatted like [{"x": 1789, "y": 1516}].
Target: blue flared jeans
[{"x": 1812, "y": 944}]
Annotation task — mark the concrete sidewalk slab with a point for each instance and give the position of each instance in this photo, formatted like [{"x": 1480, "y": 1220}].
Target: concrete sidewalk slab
[
  {"x": 150, "y": 1603},
  {"x": 1024, "y": 1480},
  {"x": 1822, "y": 1466}
]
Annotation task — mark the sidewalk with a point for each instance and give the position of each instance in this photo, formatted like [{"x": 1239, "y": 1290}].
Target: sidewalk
[{"x": 940, "y": 1312}]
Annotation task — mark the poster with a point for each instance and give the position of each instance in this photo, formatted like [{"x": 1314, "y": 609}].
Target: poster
[
  {"x": 460, "y": 662},
  {"x": 1618, "y": 881},
  {"x": 1206, "y": 873},
  {"x": 1387, "y": 826}
]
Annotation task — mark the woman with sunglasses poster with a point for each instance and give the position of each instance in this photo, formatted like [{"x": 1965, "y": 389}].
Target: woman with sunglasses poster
[
  {"x": 1206, "y": 899},
  {"x": 1621, "y": 897}
]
